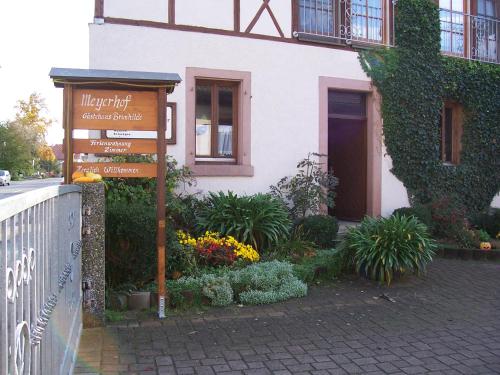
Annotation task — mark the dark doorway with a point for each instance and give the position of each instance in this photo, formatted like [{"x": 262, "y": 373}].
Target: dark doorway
[{"x": 347, "y": 152}]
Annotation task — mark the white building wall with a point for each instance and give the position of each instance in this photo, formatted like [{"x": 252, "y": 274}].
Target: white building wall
[
  {"x": 146, "y": 10},
  {"x": 394, "y": 193},
  {"x": 496, "y": 201},
  {"x": 205, "y": 13}
]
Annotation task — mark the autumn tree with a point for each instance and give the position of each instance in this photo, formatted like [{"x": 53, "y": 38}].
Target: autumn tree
[
  {"x": 47, "y": 159},
  {"x": 32, "y": 122}
]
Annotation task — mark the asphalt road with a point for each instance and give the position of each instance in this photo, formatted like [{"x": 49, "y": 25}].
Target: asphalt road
[{"x": 18, "y": 187}]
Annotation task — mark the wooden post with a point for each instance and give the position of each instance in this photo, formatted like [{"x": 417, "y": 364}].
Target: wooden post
[
  {"x": 160, "y": 200},
  {"x": 68, "y": 132}
]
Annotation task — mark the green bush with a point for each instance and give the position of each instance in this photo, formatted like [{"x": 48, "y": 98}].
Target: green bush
[
  {"x": 259, "y": 220},
  {"x": 260, "y": 283},
  {"x": 383, "y": 247},
  {"x": 324, "y": 265},
  {"x": 131, "y": 254},
  {"x": 267, "y": 282},
  {"x": 421, "y": 212},
  {"x": 320, "y": 229},
  {"x": 130, "y": 243},
  {"x": 488, "y": 221},
  {"x": 291, "y": 249},
  {"x": 449, "y": 222}
]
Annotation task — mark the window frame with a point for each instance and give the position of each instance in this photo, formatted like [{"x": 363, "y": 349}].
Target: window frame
[
  {"x": 465, "y": 28},
  {"x": 241, "y": 166},
  {"x": 340, "y": 22},
  {"x": 214, "y": 84},
  {"x": 475, "y": 54}
]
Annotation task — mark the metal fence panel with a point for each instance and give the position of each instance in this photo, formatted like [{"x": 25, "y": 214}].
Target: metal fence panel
[{"x": 40, "y": 281}]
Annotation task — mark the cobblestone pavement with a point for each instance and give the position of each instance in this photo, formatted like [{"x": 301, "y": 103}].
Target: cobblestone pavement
[{"x": 445, "y": 323}]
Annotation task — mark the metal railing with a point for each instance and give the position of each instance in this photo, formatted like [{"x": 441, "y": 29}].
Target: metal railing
[
  {"x": 40, "y": 281},
  {"x": 347, "y": 21},
  {"x": 471, "y": 37}
]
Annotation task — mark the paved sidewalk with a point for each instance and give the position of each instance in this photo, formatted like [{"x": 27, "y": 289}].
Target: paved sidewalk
[{"x": 445, "y": 323}]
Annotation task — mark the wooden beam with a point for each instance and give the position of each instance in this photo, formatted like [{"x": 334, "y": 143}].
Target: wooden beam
[
  {"x": 295, "y": 15},
  {"x": 160, "y": 202},
  {"x": 237, "y": 15},
  {"x": 257, "y": 16},
  {"x": 171, "y": 12},
  {"x": 68, "y": 132},
  {"x": 275, "y": 21},
  {"x": 99, "y": 9}
]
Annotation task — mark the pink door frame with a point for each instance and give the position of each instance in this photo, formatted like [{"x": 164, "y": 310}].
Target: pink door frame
[{"x": 374, "y": 133}]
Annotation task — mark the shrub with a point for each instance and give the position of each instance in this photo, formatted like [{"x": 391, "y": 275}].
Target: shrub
[
  {"x": 260, "y": 283},
  {"x": 324, "y": 265},
  {"x": 449, "y": 222},
  {"x": 267, "y": 282},
  {"x": 382, "y": 247},
  {"x": 291, "y": 249},
  {"x": 131, "y": 253},
  {"x": 310, "y": 188},
  {"x": 320, "y": 229},
  {"x": 259, "y": 220},
  {"x": 219, "y": 291},
  {"x": 130, "y": 243},
  {"x": 421, "y": 212},
  {"x": 488, "y": 221}
]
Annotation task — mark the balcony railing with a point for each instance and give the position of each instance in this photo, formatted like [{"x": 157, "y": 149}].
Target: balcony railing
[
  {"x": 371, "y": 22},
  {"x": 471, "y": 37},
  {"x": 357, "y": 22}
]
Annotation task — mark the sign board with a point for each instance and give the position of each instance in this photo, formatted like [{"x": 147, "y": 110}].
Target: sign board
[
  {"x": 121, "y": 100},
  {"x": 170, "y": 134},
  {"x": 114, "y": 146},
  {"x": 115, "y": 109},
  {"x": 124, "y": 170}
]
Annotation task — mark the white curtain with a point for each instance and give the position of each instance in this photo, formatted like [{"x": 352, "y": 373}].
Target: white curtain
[{"x": 226, "y": 140}]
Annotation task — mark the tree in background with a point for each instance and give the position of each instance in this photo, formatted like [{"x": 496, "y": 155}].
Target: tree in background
[
  {"x": 14, "y": 155},
  {"x": 22, "y": 140},
  {"x": 48, "y": 161},
  {"x": 32, "y": 121}
]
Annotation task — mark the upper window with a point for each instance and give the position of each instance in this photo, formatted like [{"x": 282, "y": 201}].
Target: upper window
[
  {"x": 216, "y": 120},
  {"x": 366, "y": 20},
  {"x": 484, "y": 31},
  {"x": 451, "y": 133},
  {"x": 451, "y": 16},
  {"x": 316, "y": 17},
  {"x": 355, "y": 20}
]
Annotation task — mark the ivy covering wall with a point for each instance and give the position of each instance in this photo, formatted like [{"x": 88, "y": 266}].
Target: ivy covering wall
[{"x": 414, "y": 79}]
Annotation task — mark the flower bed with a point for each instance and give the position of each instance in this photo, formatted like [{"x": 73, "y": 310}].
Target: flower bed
[{"x": 212, "y": 249}]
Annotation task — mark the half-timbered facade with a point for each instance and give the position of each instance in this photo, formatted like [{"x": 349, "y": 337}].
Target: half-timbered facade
[{"x": 265, "y": 82}]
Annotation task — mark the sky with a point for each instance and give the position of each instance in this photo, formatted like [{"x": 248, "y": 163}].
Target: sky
[{"x": 36, "y": 35}]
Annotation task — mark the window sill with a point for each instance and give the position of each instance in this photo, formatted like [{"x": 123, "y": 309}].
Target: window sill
[{"x": 221, "y": 170}]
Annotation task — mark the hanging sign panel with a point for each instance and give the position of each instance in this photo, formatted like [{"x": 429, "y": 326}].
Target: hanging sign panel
[
  {"x": 114, "y": 146},
  {"x": 124, "y": 170},
  {"x": 115, "y": 109},
  {"x": 170, "y": 135}
]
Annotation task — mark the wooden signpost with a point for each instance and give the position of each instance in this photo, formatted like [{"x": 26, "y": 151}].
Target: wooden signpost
[{"x": 118, "y": 100}]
